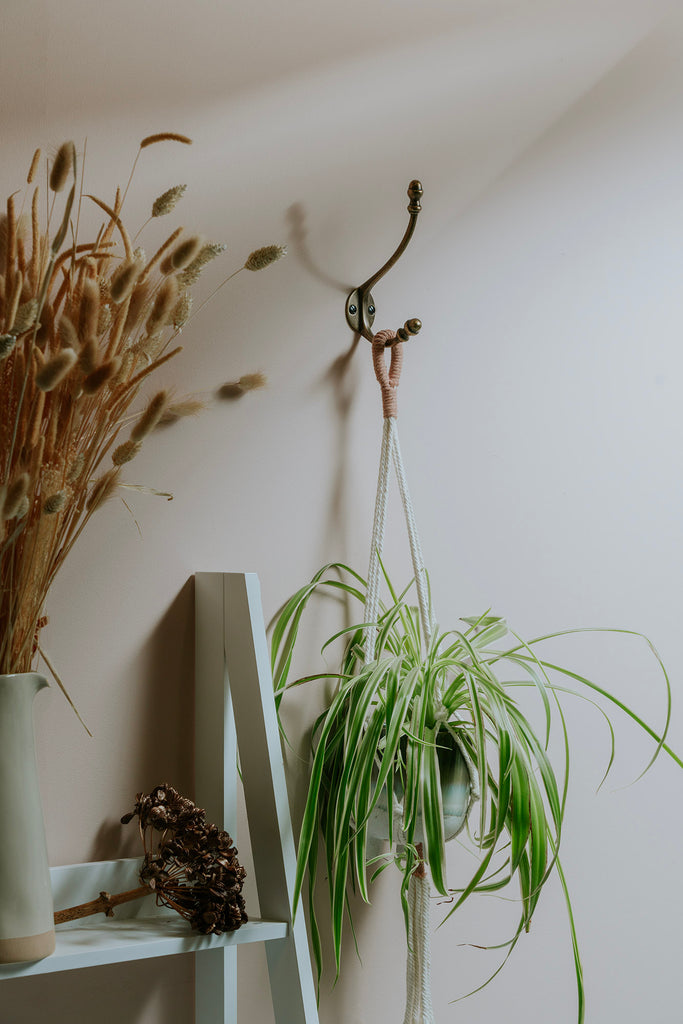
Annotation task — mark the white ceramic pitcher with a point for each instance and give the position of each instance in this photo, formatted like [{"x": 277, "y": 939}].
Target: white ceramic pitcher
[{"x": 26, "y": 909}]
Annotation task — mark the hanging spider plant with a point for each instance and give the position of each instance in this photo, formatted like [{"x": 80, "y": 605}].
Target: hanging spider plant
[{"x": 424, "y": 718}]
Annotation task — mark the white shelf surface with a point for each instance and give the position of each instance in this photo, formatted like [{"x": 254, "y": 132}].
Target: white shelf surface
[
  {"x": 111, "y": 941},
  {"x": 138, "y": 930}
]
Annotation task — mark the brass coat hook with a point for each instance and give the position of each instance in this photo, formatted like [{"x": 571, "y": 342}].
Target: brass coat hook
[{"x": 360, "y": 305}]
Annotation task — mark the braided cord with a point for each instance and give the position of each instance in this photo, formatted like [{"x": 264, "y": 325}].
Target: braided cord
[{"x": 418, "y": 966}]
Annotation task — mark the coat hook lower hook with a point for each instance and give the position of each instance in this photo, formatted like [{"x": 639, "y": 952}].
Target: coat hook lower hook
[{"x": 360, "y": 305}]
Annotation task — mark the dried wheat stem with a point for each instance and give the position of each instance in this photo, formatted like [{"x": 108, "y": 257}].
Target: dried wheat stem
[
  {"x": 92, "y": 247},
  {"x": 100, "y": 376},
  {"x": 33, "y": 168},
  {"x": 21, "y": 255},
  {"x": 259, "y": 259},
  {"x": 64, "y": 162},
  {"x": 35, "y": 241},
  {"x": 182, "y": 255},
  {"x": 13, "y": 304},
  {"x": 156, "y": 408},
  {"x": 10, "y": 241},
  {"x": 56, "y": 369},
  {"x": 218, "y": 288},
  {"x": 67, "y": 333},
  {"x": 181, "y": 311},
  {"x": 16, "y": 492},
  {"x": 60, "y": 684},
  {"x": 160, "y": 252},
  {"x": 51, "y": 434},
  {"x": 87, "y": 357},
  {"x": 118, "y": 330},
  {"x": 165, "y": 137},
  {"x": 89, "y": 308},
  {"x": 36, "y": 419},
  {"x": 247, "y": 382},
  {"x": 153, "y": 366},
  {"x": 123, "y": 280},
  {"x": 164, "y": 303},
  {"x": 126, "y": 452},
  {"x": 24, "y": 318},
  {"x": 103, "y": 489},
  {"x": 179, "y": 410},
  {"x": 54, "y": 503},
  {"x": 168, "y": 201},
  {"x": 119, "y": 224}
]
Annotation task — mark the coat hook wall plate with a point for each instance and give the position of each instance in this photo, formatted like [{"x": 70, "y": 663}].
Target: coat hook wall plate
[{"x": 360, "y": 304}]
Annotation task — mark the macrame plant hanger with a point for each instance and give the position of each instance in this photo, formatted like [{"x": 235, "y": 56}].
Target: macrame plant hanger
[
  {"x": 418, "y": 968},
  {"x": 360, "y": 314}
]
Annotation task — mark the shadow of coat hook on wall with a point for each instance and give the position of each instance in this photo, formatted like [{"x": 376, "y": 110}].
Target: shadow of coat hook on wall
[{"x": 360, "y": 305}]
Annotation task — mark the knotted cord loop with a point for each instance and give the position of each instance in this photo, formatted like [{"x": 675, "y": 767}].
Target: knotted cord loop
[{"x": 388, "y": 379}]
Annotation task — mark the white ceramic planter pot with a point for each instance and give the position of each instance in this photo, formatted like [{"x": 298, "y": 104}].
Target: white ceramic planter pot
[
  {"x": 459, "y": 790},
  {"x": 26, "y": 909}
]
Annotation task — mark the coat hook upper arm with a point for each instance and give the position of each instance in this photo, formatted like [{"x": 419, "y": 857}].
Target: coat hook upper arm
[{"x": 360, "y": 305}]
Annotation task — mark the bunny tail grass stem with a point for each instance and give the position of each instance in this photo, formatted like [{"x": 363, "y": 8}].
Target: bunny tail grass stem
[
  {"x": 60, "y": 684},
  {"x": 217, "y": 289},
  {"x": 80, "y": 202},
  {"x": 130, "y": 176}
]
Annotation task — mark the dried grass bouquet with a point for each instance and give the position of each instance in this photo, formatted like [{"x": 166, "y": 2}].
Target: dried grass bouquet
[{"x": 84, "y": 326}]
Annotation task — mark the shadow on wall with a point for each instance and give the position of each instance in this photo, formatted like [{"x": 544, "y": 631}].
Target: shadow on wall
[
  {"x": 341, "y": 381},
  {"x": 298, "y": 239},
  {"x": 159, "y": 989},
  {"x": 162, "y": 727}
]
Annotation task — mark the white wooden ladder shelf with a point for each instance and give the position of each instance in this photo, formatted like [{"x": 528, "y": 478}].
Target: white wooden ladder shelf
[{"x": 234, "y": 697}]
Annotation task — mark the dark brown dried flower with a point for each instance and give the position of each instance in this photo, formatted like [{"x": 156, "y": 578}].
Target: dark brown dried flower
[{"x": 193, "y": 867}]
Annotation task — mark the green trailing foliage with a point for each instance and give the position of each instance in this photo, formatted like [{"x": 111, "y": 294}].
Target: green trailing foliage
[{"x": 388, "y": 723}]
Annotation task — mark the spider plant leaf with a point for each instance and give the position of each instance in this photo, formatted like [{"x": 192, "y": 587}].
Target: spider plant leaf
[
  {"x": 317, "y": 675},
  {"x": 286, "y": 626},
  {"x": 345, "y": 632},
  {"x": 360, "y": 785},
  {"x": 524, "y": 874},
  {"x": 480, "y": 733},
  {"x": 316, "y": 942},
  {"x": 540, "y": 680},
  {"x": 581, "y": 696},
  {"x": 505, "y": 760},
  {"x": 362, "y": 692},
  {"x": 538, "y": 844},
  {"x": 395, "y": 729},
  {"x": 413, "y": 757},
  {"x": 627, "y": 632},
  {"x": 471, "y": 885},
  {"x": 542, "y": 761},
  {"x": 487, "y": 629},
  {"x": 519, "y": 819},
  {"x": 338, "y": 904},
  {"x": 659, "y": 739},
  {"x": 309, "y": 822},
  {"x": 432, "y": 812},
  {"x": 578, "y": 967}
]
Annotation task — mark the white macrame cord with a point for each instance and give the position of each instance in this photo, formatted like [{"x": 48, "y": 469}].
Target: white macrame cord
[{"x": 418, "y": 966}]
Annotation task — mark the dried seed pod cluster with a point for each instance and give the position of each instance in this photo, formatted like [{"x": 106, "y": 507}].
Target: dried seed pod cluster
[
  {"x": 84, "y": 325},
  {"x": 190, "y": 864}
]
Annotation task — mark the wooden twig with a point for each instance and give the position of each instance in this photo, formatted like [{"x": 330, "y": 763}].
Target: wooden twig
[{"x": 104, "y": 904}]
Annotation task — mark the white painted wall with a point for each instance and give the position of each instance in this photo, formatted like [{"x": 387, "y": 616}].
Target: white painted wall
[{"x": 540, "y": 418}]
